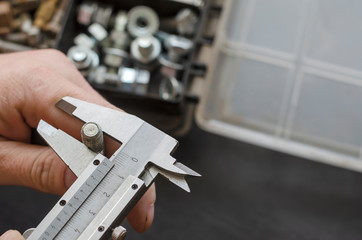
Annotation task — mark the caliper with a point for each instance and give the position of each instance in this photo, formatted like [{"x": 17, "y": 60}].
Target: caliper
[{"x": 106, "y": 188}]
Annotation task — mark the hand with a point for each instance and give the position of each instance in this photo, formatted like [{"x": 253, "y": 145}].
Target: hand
[{"x": 30, "y": 85}]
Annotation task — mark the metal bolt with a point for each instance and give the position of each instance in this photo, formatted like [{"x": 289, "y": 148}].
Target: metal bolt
[
  {"x": 145, "y": 49},
  {"x": 177, "y": 47},
  {"x": 120, "y": 22},
  {"x": 186, "y": 21},
  {"x": 83, "y": 58},
  {"x": 28, "y": 232},
  {"x": 119, "y": 233},
  {"x": 79, "y": 57},
  {"x": 170, "y": 88},
  {"x": 92, "y": 137},
  {"x": 54, "y": 26}
]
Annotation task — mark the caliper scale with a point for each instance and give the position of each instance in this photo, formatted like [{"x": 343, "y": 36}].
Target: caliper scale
[{"x": 106, "y": 189}]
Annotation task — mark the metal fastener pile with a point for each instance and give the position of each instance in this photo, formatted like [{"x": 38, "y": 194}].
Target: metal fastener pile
[
  {"x": 133, "y": 51},
  {"x": 30, "y": 24}
]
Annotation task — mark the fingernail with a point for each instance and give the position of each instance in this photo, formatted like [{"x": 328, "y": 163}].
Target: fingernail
[{"x": 69, "y": 178}]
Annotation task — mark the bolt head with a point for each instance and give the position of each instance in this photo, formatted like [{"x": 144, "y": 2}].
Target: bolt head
[
  {"x": 90, "y": 129},
  {"x": 79, "y": 57},
  {"x": 145, "y": 46}
]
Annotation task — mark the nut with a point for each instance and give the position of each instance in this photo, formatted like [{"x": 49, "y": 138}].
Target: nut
[{"x": 142, "y": 21}]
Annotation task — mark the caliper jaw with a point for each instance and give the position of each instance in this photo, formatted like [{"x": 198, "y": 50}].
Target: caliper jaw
[
  {"x": 106, "y": 189},
  {"x": 122, "y": 127},
  {"x": 73, "y": 153}
]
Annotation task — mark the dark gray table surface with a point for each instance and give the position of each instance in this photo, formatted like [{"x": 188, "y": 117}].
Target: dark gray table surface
[{"x": 246, "y": 192}]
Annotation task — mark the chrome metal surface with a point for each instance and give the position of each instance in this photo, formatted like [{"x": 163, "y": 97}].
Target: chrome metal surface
[
  {"x": 197, "y": 3},
  {"x": 98, "y": 31},
  {"x": 114, "y": 57},
  {"x": 119, "y": 233},
  {"x": 92, "y": 137},
  {"x": 146, "y": 49},
  {"x": 177, "y": 47},
  {"x": 142, "y": 21},
  {"x": 83, "y": 58},
  {"x": 106, "y": 190},
  {"x": 28, "y": 232},
  {"x": 170, "y": 88},
  {"x": 73, "y": 153},
  {"x": 186, "y": 22}
]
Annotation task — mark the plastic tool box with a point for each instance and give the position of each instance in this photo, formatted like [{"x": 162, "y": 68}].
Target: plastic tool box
[{"x": 282, "y": 74}]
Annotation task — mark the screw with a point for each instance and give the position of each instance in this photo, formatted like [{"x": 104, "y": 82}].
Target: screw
[
  {"x": 119, "y": 233},
  {"x": 92, "y": 137},
  {"x": 145, "y": 49}
]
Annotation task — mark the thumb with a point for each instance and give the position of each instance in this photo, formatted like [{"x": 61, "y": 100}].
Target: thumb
[
  {"x": 33, "y": 166},
  {"x": 11, "y": 235}
]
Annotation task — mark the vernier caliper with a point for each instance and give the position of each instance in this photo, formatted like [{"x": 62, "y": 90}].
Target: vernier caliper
[{"x": 106, "y": 189}]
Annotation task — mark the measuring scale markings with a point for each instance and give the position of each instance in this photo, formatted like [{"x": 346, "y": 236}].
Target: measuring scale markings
[
  {"x": 69, "y": 207},
  {"x": 98, "y": 198},
  {"x": 124, "y": 165}
]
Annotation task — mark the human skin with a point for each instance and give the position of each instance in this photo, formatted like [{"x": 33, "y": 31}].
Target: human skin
[{"x": 30, "y": 85}]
